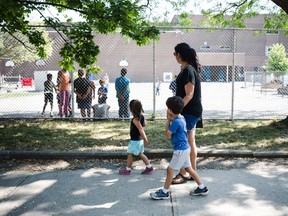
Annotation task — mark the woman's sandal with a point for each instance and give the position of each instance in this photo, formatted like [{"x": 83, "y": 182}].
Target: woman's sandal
[
  {"x": 179, "y": 179},
  {"x": 191, "y": 178}
]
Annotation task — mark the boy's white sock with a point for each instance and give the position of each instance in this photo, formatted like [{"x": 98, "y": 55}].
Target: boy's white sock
[
  {"x": 128, "y": 168},
  {"x": 149, "y": 166},
  {"x": 201, "y": 186},
  {"x": 165, "y": 190}
]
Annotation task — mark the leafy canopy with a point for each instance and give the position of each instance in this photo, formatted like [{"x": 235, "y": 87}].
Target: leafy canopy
[
  {"x": 18, "y": 48},
  {"x": 101, "y": 16},
  {"x": 239, "y": 10}
]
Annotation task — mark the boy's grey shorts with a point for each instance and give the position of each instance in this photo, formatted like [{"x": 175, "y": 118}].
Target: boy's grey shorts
[{"x": 180, "y": 158}]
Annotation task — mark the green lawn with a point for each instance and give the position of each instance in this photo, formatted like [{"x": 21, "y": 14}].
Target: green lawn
[{"x": 84, "y": 135}]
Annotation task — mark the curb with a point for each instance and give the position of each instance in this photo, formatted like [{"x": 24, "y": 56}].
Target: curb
[{"x": 151, "y": 153}]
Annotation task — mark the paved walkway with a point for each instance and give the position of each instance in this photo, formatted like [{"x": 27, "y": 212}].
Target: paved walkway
[
  {"x": 151, "y": 153},
  {"x": 248, "y": 190}
]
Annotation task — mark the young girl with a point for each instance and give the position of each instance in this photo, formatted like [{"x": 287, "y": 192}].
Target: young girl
[{"x": 137, "y": 139}]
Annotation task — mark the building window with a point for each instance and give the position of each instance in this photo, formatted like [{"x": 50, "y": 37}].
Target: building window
[
  {"x": 224, "y": 47},
  {"x": 205, "y": 47},
  {"x": 267, "y": 49},
  {"x": 272, "y": 32}
]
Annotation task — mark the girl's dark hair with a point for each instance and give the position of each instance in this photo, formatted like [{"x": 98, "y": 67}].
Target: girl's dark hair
[
  {"x": 136, "y": 108},
  {"x": 189, "y": 55},
  {"x": 175, "y": 104}
]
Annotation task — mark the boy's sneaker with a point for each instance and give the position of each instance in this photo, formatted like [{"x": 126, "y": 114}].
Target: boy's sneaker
[
  {"x": 51, "y": 114},
  {"x": 124, "y": 171},
  {"x": 147, "y": 170},
  {"x": 199, "y": 191},
  {"x": 159, "y": 195},
  {"x": 43, "y": 113}
]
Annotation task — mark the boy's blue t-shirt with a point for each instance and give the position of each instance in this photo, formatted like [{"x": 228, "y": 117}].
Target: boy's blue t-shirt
[
  {"x": 179, "y": 137},
  {"x": 104, "y": 89}
]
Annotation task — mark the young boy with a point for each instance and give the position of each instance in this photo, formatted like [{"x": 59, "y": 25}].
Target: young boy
[
  {"x": 101, "y": 110},
  {"x": 48, "y": 94},
  {"x": 176, "y": 129},
  {"x": 102, "y": 92}
]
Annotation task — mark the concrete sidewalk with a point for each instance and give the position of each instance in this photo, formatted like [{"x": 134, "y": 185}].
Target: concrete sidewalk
[
  {"x": 256, "y": 190},
  {"x": 151, "y": 153}
]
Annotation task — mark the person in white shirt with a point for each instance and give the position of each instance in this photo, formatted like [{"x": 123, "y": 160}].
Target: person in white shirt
[{"x": 101, "y": 110}]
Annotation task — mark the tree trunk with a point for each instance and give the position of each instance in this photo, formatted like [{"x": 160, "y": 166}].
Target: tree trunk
[
  {"x": 285, "y": 121},
  {"x": 283, "y": 4}
]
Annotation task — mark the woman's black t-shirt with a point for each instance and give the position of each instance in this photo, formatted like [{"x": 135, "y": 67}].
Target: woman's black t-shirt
[
  {"x": 194, "y": 106},
  {"x": 134, "y": 132}
]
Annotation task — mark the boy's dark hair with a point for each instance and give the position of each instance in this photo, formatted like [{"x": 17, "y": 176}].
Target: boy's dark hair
[
  {"x": 49, "y": 76},
  {"x": 102, "y": 99},
  {"x": 175, "y": 104},
  {"x": 80, "y": 72},
  {"x": 136, "y": 108},
  {"x": 123, "y": 71}
]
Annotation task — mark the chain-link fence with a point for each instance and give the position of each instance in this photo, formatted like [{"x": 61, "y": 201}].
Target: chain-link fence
[{"x": 234, "y": 83}]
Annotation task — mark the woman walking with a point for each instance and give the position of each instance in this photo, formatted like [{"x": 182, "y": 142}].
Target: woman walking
[{"x": 189, "y": 89}]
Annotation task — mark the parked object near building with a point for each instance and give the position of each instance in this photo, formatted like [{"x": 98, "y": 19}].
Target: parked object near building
[{"x": 283, "y": 90}]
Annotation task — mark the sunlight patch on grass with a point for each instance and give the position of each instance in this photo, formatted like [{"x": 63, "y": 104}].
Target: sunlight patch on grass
[
  {"x": 111, "y": 135},
  {"x": 74, "y": 135},
  {"x": 103, "y": 148}
]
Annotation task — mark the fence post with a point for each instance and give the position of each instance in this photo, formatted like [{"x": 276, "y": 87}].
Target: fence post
[
  {"x": 72, "y": 93},
  {"x": 233, "y": 74},
  {"x": 154, "y": 82}
]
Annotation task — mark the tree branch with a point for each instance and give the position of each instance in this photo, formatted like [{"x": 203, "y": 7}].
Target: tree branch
[
  {"x": 51, "y": 4},
  {"x": 232, "y": 5},
  {"x": 51, "y": 25},
  {"x": 16, "y": 38}
]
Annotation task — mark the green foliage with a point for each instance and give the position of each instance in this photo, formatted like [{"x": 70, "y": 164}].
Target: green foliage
[
  {"x": 278, "y": 21},
  {"x": 184, "y": 20},
  {"x": 79, "y": 46},
  {"x": 240, "y": 10},
  {"x": 277, "y": 62},
  {"x": 19, "y": 49}
]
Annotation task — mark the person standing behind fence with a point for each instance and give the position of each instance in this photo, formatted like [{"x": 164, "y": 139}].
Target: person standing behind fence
[
  {"x": 122, "y": 86},
  {"x": 82, "y": 89},
  {"x": 189, "y": 88},
  {"x": 102, "y": 92},
  {"x": 138, "y": 139},
  {"x": 48, "y": 94},
  {"x": 158, "y": 88},
  {"x": 91, "y": 94},
  {"x": 173, "y": 86},
  {"x": 105, "y": 78},
  {"x": 64, "y": 92}
]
